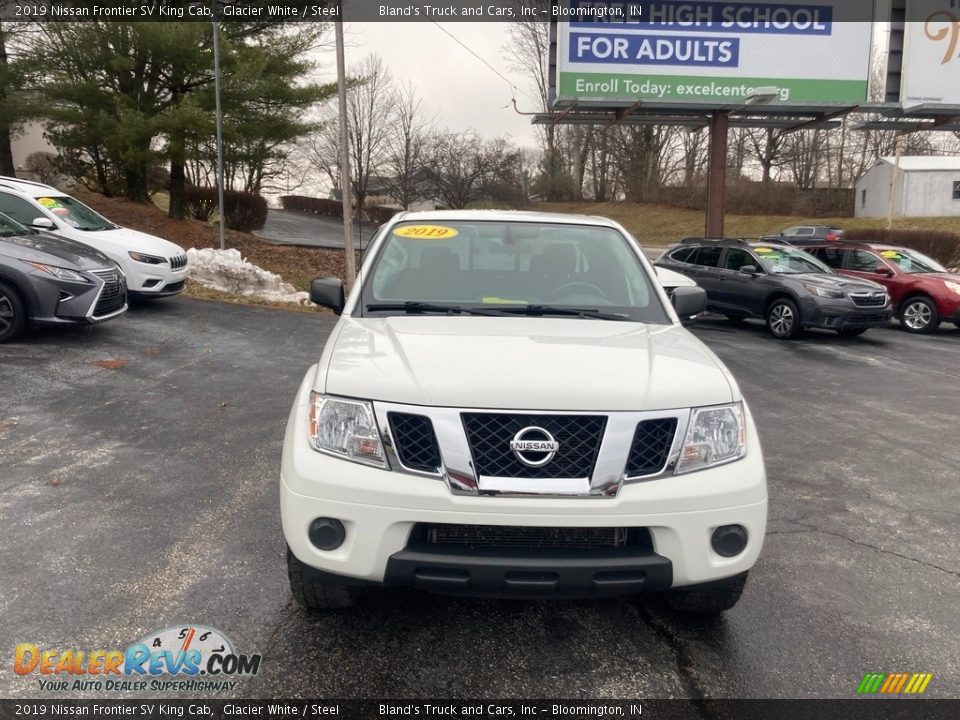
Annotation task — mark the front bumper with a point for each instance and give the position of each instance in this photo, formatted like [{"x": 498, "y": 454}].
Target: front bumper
[
  {"x": 380, "y": 510},
  {"x": 840, "y": 315},
  {"x": 154, "y": 280}
]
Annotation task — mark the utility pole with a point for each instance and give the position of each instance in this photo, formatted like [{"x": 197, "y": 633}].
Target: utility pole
[
  {"x": 894, "y": 181},
  {"x": 216, "y": 92},
  {"x": 717, "y": 173},
  {"x": 346, "y": 189}
]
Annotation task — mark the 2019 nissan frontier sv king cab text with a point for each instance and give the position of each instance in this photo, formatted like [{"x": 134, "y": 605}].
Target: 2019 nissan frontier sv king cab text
[{"x": 509, "y": 406}]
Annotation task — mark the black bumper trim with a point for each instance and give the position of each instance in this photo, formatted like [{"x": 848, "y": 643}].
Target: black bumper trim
[{"x": 566, "y": 574}]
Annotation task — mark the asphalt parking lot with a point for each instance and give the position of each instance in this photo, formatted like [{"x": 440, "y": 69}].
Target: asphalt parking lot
[{"x": 138, "y": 490}]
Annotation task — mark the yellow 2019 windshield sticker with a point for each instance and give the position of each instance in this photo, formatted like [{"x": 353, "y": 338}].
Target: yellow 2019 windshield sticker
[
  {"x": 890, "y": 254},
  {"x": 762, "y": 250},
  {"x": 426, "y": 232}
]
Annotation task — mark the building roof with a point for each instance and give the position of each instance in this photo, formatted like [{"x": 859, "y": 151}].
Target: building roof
[{"x": 925, "y": 162}]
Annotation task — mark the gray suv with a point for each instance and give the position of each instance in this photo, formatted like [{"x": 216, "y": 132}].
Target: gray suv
[
  {"x": 787, "y": 288},
  {"x": 53, "y": 281}
]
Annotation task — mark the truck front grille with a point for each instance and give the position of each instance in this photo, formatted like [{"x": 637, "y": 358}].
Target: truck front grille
[
  {"x": 415, "y": 441},
  {"x": 114, "y": 293},
  {"x": 489, "y": 436},
  {"x": 529, "y": 538},
  {"x": 869, "y": 299},
  {"x": 651, "y": 446}
]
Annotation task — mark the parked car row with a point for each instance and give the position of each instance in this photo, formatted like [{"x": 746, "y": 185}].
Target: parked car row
[
  {"x": 62, "y": 263},
  {"x": 841, "y": 286}
]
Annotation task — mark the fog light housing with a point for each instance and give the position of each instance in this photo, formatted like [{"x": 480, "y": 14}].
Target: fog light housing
[
  {"x": 729, "y": 540},
  {"x": 327, "y": 533}
]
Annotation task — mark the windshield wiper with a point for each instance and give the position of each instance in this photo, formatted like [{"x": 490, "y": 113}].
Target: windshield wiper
[
  {"x": 412, "y": 307},
  {"x": 572, "y": 312}
]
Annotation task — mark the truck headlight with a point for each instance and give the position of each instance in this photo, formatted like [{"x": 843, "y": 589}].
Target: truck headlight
[
  {"x": 715, "y": 435},
  {"x": 824, "y": 292},
  {"x": 65, "y": 274},
  {"x": 146, "y": 259},
  {"x": 345, "y": 428}
]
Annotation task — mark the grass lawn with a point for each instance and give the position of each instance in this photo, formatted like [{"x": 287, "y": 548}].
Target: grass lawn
[{"x": 659, "y": 225}]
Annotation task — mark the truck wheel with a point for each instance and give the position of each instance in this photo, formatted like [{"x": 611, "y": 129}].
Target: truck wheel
[
  {"x": 783, "y": 319},
  {"x": 851, "y": 332},
  {"x": 13, "y": 315},
  {"x": 314, "y": 593},
  {"x": 919, "y": 315},
  {"x": 715, "y": 597}
]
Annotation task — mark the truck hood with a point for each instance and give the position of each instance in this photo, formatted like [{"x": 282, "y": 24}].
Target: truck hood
[
  {"x": 522, "y": 363},
  {"x": 121, "y": 240},
  {"x": 837, "y": 282},
  {"x": 54, "y": 250}
]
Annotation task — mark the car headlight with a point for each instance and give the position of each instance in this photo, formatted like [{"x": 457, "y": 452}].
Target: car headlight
[
  {"x": 715, "y": 435},
  {"x": 824, "y": 292},
  {"x": 345, "y": 428},
  {"x": 952, "y": 286},
  {"x": 60, "y": 273},
  {"x": 148, "y": 259}
]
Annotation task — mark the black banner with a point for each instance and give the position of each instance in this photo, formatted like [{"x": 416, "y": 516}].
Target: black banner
[
  {"x": 361, "y": 10},
  {"x": 862, "y": 709}
]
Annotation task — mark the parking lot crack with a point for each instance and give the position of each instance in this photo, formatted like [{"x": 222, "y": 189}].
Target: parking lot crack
[
  {"x": 877, "y": 548},
  {"x": 683, "y": 658}
]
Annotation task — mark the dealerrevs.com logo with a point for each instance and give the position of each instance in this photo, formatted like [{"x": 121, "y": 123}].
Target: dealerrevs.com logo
[{"x": 187, "y": 659}]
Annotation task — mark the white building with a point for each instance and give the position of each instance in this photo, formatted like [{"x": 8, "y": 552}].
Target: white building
[
  {"x": 27, "y": 142},
  {"x": 926, "y": 187}
]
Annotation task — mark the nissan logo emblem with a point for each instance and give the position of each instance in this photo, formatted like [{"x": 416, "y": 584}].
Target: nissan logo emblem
[{"x": 534, "y": 446}]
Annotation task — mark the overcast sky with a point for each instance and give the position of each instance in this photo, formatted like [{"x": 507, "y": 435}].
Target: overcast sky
[{"x": 456, "y": 86}]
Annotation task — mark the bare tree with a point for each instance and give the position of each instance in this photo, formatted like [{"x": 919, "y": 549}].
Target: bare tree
[{"x": 406, "y": 149}]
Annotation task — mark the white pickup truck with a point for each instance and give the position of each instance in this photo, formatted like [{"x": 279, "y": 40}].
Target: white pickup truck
[{"x": 509, "y": 406}]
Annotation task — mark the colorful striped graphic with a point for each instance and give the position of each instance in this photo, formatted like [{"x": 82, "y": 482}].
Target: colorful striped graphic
[{"x": 894, "y": 683}]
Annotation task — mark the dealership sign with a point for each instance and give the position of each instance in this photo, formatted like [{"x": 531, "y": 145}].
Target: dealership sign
[
  {"x": 931, "y": 53},
  {"x": 711, "y": 52}
]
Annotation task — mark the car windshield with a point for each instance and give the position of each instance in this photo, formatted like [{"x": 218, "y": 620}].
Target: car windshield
[
  {"x": 510, "y": 268},
  {"x": 10, "y": 227},
  {"x": 789, "y": 261},
  {"x": 75, "y": 214},
  {"x": 911, "y": 261}
]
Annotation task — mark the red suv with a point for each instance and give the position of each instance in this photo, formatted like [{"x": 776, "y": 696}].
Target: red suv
[{"x": 922, "y": 291}]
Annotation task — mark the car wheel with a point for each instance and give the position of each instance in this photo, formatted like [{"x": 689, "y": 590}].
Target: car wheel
[
  {"x": 783, "y": 319},
  {"x": 919, "y": 315},
  {"x": 713, "y": 597},
  {"x": 315, "y": 592},
  {"x": 851, "y": 332},
  {"x": 13, "y": 314}
]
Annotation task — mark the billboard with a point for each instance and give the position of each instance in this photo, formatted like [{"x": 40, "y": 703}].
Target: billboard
[
  {"x": 931, "y": 53},
  {"x": 711, "y": 53}
]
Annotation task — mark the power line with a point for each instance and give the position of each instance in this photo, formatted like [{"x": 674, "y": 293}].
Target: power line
[{"x": 513, "y": 88}]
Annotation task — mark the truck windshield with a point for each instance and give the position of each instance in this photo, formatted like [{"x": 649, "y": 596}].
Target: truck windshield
[
  {"x": 510, "y": 268},
  {"x": 75, "y": 214},
  {"x": 11, "y": 228},
  {"x": 911, "y": 261},
  {"x": 788, "y": 261}
]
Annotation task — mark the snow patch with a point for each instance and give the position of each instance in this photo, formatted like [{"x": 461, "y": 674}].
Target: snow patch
[{"x": 227, "y": 271}]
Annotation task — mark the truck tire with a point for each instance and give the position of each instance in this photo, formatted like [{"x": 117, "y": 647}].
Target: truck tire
[
  {"x": 13, "y": 313},
  {"x": 715, "y": 597},
  {"x": 783, "y": 319},
  {"x": 315, "y": 592},
  {"x": 918, "y": 314}
]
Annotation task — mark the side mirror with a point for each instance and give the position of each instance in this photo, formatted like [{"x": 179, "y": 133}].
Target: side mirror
[
  {"x": 749, "y": 269},
  {"x": 328, "y": 292},
  {"x": 42, "y": 223},
  {"x": 689, "y": 301},
  {"x": 883, "y": 270}
]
